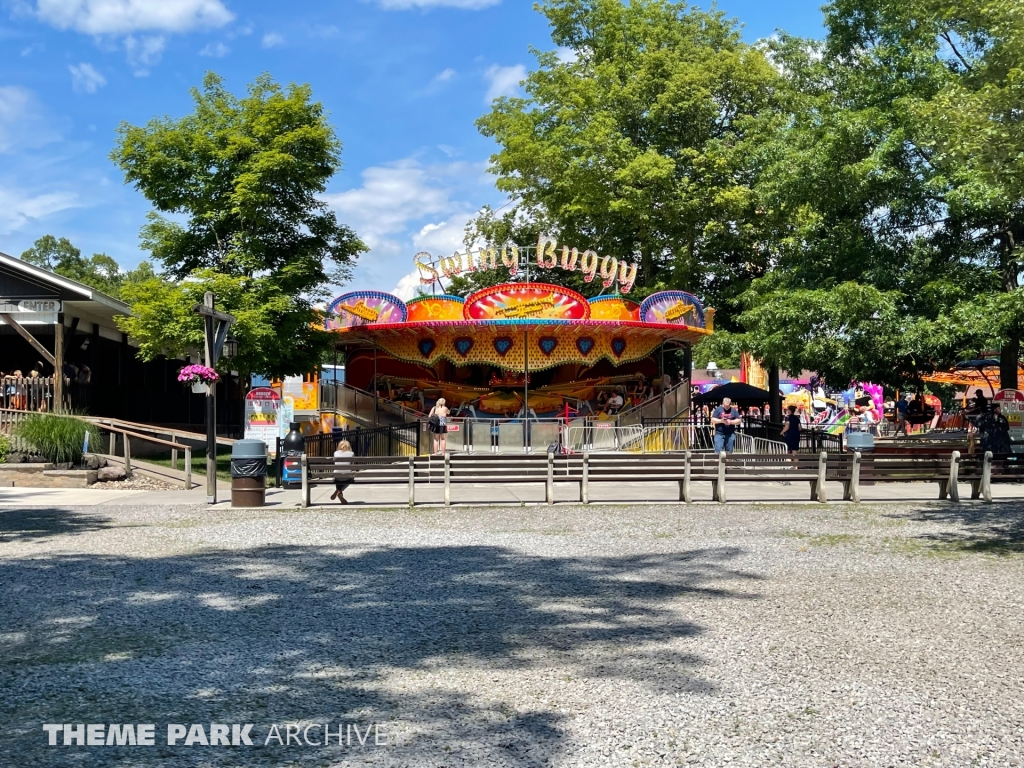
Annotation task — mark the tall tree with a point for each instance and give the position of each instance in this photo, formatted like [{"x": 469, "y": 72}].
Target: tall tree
[
  {"x": 644, "y": 143},
  {"x": 241, "y": 177},
  {"x": 902, "y": 168}
]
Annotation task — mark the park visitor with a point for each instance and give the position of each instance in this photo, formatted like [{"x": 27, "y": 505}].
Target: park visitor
[
  {"x": 725, "y": 419},
  {"x": 342, "y": 470},
  {"x": 901, "y": 416},
  {"x": 994, "y": 431},
  {"x": 437, "y": 420},
  {"x": 791, "y": 431}
]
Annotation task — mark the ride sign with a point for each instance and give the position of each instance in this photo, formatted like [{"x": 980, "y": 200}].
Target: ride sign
[{"x": 262, "y": 415}]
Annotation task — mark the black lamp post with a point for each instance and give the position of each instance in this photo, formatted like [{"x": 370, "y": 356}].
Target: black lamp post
[{"x": 218, "y": 325}]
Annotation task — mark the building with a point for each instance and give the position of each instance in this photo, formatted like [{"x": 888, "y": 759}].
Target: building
[{"x": 50, "y": 323}]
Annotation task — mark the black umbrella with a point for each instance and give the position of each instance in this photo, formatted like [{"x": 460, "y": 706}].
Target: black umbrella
[{"x": 740, "y": 393}]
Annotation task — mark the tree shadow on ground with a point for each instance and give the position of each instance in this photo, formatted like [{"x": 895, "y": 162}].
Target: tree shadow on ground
[
  {"x": 996, "y": 529},
  {"x": 407, "y": 636},
  {"x": 42, "y": 523}
]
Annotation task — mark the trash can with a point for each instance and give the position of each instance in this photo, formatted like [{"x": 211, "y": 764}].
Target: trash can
[
  {"x": 857, "y": 440},
  {"x": 248, "y": 473}
]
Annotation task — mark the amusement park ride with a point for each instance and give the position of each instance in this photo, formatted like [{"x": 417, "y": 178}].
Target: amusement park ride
[{"x": 518, "y": 347}]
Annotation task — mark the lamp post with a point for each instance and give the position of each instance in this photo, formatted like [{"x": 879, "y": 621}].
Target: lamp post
[{"x": 218, "y": 325}]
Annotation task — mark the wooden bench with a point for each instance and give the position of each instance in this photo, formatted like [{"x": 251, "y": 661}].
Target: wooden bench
[
  {"x": 390, "y": 470},
  {"x": 685, "y": 468}
]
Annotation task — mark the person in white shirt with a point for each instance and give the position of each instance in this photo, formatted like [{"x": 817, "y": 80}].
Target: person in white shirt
[{"x": 343, "y": 476}]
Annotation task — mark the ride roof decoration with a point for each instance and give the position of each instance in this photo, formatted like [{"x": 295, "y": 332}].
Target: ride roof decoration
[{"x": 518, "y": 326}]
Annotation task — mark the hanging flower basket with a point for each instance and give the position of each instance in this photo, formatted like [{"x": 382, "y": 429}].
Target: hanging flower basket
[{"x": 199, "y": 377}]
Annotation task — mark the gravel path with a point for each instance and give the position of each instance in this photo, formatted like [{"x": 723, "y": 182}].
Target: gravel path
[{"x": 746, "y": 635}]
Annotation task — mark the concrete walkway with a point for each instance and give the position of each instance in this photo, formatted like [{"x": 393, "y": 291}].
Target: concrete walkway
[{"x": 514, "y": 494}]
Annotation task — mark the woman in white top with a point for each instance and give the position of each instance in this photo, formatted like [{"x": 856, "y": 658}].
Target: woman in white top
[
  {"x": 439, "y": 426},
  {"x": 342, "y": 470}
]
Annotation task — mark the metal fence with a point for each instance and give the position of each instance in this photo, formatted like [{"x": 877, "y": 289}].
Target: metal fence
[
  {"x": 812, "y": 439},
  {"x": 392, "y": 440}
]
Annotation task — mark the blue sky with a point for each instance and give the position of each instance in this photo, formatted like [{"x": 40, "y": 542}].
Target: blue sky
[{"x": 403, "y": 81}]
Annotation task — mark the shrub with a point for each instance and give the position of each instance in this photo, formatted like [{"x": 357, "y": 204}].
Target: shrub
[
  {"x": 5, "y": 448},
  {"x": 58, "y": 438}
]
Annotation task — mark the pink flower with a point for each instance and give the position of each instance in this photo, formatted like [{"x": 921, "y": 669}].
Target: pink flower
[{"x": 194, "y": 374}]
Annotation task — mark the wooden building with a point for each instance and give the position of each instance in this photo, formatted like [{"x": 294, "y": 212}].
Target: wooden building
[{"x": 49, "y": 324}]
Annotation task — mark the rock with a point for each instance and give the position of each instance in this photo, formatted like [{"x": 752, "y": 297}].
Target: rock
[
  {"x": 92, "y": 461},
  {"x": 110, "y": 474}
]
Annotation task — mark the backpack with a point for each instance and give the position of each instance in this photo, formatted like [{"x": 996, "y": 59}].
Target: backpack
[{"x": 435, "y": 422}]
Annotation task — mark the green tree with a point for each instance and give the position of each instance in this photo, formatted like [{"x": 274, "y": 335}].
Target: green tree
[
  {"x": 901, "y": 168},
  {"x": 646, "y": 146},
  {"x": 99, "y": 271},
  {"x": 241, "y": 178}
]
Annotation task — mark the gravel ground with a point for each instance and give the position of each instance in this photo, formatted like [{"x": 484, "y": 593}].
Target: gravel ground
[
  {"x": 796, "y": 635},
  {"x": 137, "y": 482}
]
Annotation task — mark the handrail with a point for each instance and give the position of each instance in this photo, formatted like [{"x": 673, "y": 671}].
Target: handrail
[
  {"x": 103, "y": 421},
  {"x": 175, "y": 447},
  {"x": 125, "y": 433}
]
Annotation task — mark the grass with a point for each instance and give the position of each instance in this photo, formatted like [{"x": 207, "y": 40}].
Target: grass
[
  {"x": 59, "y": 439},
  {"x": 198, "y": 461}
]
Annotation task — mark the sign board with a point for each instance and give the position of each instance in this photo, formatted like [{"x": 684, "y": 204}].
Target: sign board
[
  {"x": 302, "y": 392},
  {"x": 263, "y": 416},
  {"x": 1011, "y": 402},
  {"x": 31, "y": 311},
  {"x": 10, "y": 306},
  {"x": 603, "y": 425},
  {"x": 526, "y": 301},
  {"x": 454, "y": 428}
]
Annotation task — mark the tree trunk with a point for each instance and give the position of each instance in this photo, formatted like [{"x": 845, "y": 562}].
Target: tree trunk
[
  {"x": 1008, "y": 357},
  {"x": 1009, "y": 266},
  {"x": 774, "y": 397}
]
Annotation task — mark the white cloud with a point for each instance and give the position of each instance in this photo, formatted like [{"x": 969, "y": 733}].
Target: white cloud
[
  {"x": 144, "y": 52},
  {"x": 407, "y": 287},
  {"x": 272, "y": 40},
  {"x": 18, "y": 208},
  {"x": 445, "y": 237},
  {"x": 391, "y": 197},
  {"x": 404, "y": 5},
  {"x": 85, "y": 78},
  {"x": 23, "y": 124},
  {"x": 215, "y": 50},
  {"x": 113, "y": 17},
  {"x": 504, "y": 81},
  {"x": 444, "y": 76}
]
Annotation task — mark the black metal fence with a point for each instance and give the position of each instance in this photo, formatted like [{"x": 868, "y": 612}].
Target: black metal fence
[
  {"x": 812, "y": 440},
  {"x": 393, "y": 440}
]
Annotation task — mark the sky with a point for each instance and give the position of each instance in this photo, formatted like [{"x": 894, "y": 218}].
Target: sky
[{"x": 402, "y": 80}]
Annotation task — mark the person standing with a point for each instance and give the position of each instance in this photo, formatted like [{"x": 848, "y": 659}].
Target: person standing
[
  {"x": 901, "y": 416},
  {"x": 438, "y": 421},
  {"x": 791, "y": 431},
  {"x": 994, "y": 431},
  {"x": 343, "y": 476},
  {"x": 725, "y": 419}
]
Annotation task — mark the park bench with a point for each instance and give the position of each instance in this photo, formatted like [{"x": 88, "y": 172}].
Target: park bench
[
  {"x": 389, "y": 470},
  {"x": 685, "y": 468},
  {"x": 945, "y": 469}
]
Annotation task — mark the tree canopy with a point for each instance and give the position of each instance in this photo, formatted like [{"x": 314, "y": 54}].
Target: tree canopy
[
  {"x": 235, "y": 188},
  {"x": 852, "y": 205},
  {"x": 643, "y": 143},
  {"x": 99, "y": 271}
]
